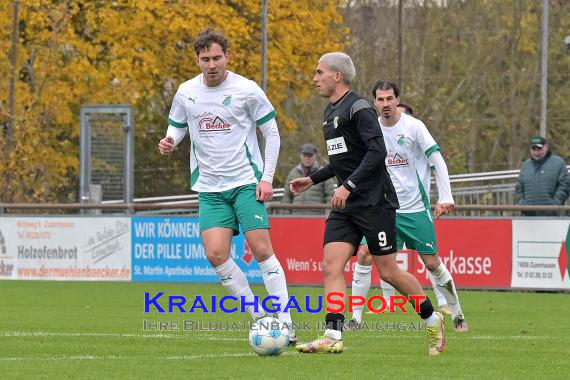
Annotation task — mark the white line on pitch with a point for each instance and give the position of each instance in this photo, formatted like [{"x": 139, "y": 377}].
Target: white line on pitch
[
  {"x": 112, "y": 357},
  {"x": 115, "y": 335}
]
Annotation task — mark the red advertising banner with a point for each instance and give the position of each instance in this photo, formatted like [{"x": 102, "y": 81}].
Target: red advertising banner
[
  {"x": 477, "y": 252},
  {"x": 298, "y": 243}
]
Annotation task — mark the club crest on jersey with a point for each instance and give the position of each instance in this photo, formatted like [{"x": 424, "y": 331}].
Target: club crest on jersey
[
  {"x": 401, "y": 139},
  {"x": 335, "y": 122},
  {"x": 227, "y": 100}
]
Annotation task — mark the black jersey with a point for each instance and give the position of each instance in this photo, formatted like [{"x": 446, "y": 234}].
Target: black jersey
[{"x": 356, "y": 153}]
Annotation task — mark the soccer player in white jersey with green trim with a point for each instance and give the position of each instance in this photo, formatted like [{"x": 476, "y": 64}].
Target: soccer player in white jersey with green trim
[
  {"x": 411, "y": 153},
  {"x": 221, "y": 111}
]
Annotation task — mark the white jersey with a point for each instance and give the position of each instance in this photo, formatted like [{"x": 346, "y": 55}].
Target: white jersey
[
  {"x": 409, "y": 144},
  {"x": 222, "y": 121}
]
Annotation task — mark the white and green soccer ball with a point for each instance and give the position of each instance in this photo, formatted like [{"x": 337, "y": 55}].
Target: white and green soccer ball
[{"x": 268, "y": 336}]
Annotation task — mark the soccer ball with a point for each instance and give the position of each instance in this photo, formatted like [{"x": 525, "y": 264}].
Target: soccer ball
[{"x": 268, "y": 336}]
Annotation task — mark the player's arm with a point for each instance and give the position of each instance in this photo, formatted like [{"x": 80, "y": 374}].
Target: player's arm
[
  {"x": 173, "y": 137},
  {"x": 261, "y": 110},
  {"x": 272, "y": 145},
  {"x": 445, "y": 203},
  {"x": 322, "y": 175},
  {"x": 298, "y": 185},
  {"x": 177, "y": 127}
]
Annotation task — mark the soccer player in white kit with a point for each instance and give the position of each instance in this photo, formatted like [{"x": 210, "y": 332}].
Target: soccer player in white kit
[
  {"x": 411, "y": 153},
  {"x": 221, "y": 111}
]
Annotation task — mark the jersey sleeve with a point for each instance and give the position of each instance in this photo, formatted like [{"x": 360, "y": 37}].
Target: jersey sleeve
[
  {"x": 177, "y": 117},
  {"x": 425, "y": 140},
  {"x": 260, "y": 108}
]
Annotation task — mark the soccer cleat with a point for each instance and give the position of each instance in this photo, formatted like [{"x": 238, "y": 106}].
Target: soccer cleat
[
  {"x": 292, "y": 340},
  {"x": 352, "y": 325},
  {"x": 436, "y": 336},
  {"x": 445, "y": 309},
  {"x": 460, "y": 324},
  {"x": 323, "y": 345}
]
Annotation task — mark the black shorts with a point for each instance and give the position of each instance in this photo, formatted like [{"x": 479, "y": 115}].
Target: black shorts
[{"x": 376, "y": 224}]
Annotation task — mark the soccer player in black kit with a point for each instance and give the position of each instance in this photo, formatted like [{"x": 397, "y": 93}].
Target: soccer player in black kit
[{"x": 364, "y": 204}]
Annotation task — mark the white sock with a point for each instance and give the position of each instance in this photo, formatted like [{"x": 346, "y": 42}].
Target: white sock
[
  {"x": 335, "y": 334},
  {"x": 361, "y": 280},
  {"x": 440, "y": 297},
  {"x": 445, "y": 284},
  {"x": 387, "y": 291},
  {"x": 431, "y": 320},
  {"x": 235, "y": 282},
  {"x": 276, "y": 285}
]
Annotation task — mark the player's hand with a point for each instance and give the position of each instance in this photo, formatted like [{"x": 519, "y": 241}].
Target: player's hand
[
  {"x": 298, "y": 185},
  {"x": 166, "y": 145},
  {"x": 443, "y": 209},
  {"x": 339, "y": 198},
  {"x": 264, "y": 191}
]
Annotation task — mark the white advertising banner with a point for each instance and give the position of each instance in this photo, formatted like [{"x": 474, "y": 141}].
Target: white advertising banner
[
  {"x": 72, "y": 248},
  {"x": 540, "y": 254}
]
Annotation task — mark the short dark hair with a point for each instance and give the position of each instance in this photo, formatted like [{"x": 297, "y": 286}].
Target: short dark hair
[
  {"x": 407, "y": 107},
  {"x": 385, "y": 85},
  {"x": 209, "y": 36}
]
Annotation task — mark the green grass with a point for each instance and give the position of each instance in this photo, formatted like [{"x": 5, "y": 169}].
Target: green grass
[{"x": 95, "y": 330}]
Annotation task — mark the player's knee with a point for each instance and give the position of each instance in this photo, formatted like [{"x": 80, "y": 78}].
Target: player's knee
[
  {"x": 387, "y": 277},
  {"x": 431, "y": 262},
  {"x": 261, "y": 250},
  {"x": 331, "y": 268},
  {"x": 217, "y": 257}
]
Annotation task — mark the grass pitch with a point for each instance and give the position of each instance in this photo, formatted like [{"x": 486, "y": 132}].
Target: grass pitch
[{"x": 95, "y": 330}]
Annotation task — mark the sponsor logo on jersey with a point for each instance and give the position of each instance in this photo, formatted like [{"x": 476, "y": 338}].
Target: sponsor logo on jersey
[
  {"x": 394, "y": 159},
  {"x": 336, "y": 146},
  {"x": 213, "y": 124}
]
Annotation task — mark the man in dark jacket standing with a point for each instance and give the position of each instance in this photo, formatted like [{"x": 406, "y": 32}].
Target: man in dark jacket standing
[
  {"x": 321, "y": 193},
  {"x": 543, "y": 179}
]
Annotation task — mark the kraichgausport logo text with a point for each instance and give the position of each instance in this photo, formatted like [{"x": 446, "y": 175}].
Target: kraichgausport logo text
[{"x": 270, "y": 304}]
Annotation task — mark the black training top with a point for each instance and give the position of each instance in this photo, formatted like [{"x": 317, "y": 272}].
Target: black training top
[{"x": 356, "y": 153}]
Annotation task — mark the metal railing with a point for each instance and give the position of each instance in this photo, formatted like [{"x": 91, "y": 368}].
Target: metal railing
[{"x": 486, "y": 200}]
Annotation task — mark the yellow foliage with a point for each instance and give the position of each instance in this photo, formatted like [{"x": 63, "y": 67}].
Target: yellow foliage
[{"x": 73, "y": 52}]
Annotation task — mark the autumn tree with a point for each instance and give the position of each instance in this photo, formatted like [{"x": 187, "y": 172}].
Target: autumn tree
[
  {"x": 471, "y": 69},
  {"x": 136, "y": 52}
]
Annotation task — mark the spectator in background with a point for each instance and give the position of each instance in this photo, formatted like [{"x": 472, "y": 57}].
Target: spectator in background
[
  {"x": 321, "y": 193},
  {"x": 543, "y": 179}
]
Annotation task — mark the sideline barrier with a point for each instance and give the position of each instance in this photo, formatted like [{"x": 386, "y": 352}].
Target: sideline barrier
[{"x": 480, "y": 253}]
